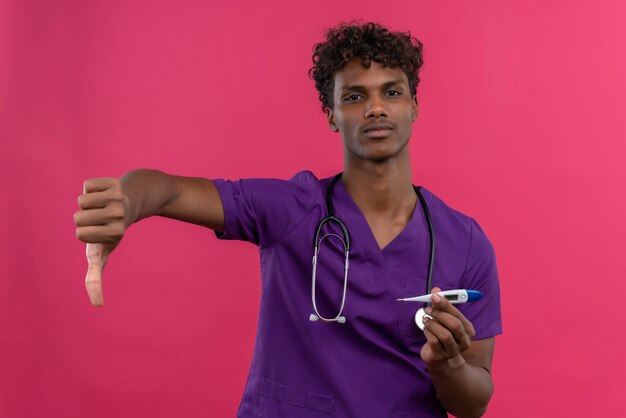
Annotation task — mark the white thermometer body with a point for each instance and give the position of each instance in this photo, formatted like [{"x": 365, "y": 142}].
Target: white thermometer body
[{"x": 453, "y": 296}]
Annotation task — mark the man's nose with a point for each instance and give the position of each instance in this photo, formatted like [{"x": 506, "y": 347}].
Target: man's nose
[{"x": 375, "y": 108}]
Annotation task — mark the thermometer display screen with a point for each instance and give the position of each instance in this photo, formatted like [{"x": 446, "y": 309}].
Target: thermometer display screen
[{"x": 452, "y": 297}]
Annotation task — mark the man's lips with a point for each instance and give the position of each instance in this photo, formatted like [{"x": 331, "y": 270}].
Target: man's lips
[{"x": 378, "y": 130}]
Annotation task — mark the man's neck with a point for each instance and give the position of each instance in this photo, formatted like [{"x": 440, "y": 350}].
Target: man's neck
[{"x": 381, "y": 189}]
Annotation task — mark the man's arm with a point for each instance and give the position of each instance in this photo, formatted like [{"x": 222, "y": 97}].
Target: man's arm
[
  {"x": 459, "y": 367},
  {"x": 108, "y": 206},
  {"x": 189, "y": 199}
]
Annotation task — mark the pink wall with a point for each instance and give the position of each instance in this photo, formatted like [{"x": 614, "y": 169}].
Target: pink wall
[{"x": 522, "y": 125}]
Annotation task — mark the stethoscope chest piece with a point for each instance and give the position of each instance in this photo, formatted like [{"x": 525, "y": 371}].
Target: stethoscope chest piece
[{"x": 419, "y": 318}]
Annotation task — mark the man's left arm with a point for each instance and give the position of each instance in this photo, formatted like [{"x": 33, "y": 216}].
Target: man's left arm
[{"x": 459, "y": 367}]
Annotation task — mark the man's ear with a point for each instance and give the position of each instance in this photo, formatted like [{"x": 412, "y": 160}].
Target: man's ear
[
  {"x": 415, "y": 109},
  {"x": 330, "y": 115}
]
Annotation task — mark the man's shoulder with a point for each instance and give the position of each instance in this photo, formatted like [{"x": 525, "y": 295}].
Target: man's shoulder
[
  {"x": 263, "y": 210},
  {"x": 305, "y": 178},
  {"x": 441, "y": 207},
  {"x": 303, "y": 183},
  {"x": 450, "y": 219}
]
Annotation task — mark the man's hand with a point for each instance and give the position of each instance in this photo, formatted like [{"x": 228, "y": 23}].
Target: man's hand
[
  {"x": 448, "y": 334},
  {"x": 459, "y": 367},
  {"x": 101, "y": 223}
]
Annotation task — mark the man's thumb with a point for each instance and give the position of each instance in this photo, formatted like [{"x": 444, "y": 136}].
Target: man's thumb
[{"x": 97, "y": 255}]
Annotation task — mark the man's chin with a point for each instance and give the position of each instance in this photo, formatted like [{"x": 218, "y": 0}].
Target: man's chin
[
  {"x": 380, "y": 154},
  {"x": 376, "y": 157}
]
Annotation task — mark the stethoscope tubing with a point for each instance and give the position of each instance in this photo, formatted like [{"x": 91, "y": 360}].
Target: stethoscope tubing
[{"x": 431, "y": 232}]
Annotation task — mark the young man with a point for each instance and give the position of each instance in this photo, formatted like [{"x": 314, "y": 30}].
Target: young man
[{"x": 370, "y": 359}]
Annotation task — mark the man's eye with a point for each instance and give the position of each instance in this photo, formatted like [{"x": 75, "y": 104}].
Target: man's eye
[
  {"x": 352, "y": 97},
  {"x": 393, "y": 93}
]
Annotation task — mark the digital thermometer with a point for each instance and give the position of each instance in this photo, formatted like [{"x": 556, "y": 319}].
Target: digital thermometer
[{"x": 453, "y": 296}]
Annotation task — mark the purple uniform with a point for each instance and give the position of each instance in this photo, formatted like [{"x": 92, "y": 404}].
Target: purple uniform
[{"x": 370, "y": 366}]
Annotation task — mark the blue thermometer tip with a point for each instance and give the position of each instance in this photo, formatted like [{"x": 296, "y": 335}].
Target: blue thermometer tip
[{"x": 473, "y": 295}]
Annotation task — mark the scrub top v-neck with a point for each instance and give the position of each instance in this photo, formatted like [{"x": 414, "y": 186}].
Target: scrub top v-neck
[
  {"x": 369, "y": 366},
  {"x": 361, "y": 232}
]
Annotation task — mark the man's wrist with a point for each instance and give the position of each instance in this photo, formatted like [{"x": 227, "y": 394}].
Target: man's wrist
[{"x": 129, "y": 217}]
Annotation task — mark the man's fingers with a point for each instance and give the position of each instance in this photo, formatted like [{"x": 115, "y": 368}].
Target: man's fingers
[
  {"x": 94, "y": 200},
  {"x": 101, "y": 223},
  {"x": 453, "y": 326},
  {"x": 96, "y": 217},
  {"x": 103, "y": 233},
  {"x": 97, "y": 255},
  {"x": 432, "y": 351},
  {"x": 441, "y": 340},
  {"x": 442, "y": 304},
  {"x": 98, "y": 185}
]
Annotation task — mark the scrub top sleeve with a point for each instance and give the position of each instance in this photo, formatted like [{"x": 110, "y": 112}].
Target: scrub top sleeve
[
  {"x": 481, "y": 273},
  {"x": 263, "y": 211}
]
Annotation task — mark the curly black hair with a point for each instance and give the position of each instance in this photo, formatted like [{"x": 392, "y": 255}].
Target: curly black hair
[{"x": 369, "y": 42}]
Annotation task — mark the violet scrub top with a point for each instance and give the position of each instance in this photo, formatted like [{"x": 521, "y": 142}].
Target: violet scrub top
[{"x": 369, "y": 366}]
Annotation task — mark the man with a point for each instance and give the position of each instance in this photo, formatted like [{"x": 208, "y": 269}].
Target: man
[{"x": 370, "y": 359}]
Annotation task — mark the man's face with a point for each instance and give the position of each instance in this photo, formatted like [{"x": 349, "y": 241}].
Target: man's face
[{"x": 373, "y": 110}]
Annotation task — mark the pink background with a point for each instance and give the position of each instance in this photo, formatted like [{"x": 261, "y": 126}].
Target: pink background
[{"x": 522, "y": 125}]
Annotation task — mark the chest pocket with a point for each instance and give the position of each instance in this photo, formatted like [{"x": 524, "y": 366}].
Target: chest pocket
[
  {"x": 282, "y": 401},
  {"x": 415, "y": 286}
]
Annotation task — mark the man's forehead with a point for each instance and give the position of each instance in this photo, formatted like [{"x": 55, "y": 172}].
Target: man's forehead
[{"x": 354, "y": 73}]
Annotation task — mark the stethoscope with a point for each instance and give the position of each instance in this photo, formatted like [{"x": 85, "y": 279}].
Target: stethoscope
[{"x": 330, "y": 219}]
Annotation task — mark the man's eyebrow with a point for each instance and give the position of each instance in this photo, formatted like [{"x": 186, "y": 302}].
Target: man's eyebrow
[
  {"x": 355, "y": 87},
  {"x": 391, "y": 83},
  {"x": 358, "y": 87}
]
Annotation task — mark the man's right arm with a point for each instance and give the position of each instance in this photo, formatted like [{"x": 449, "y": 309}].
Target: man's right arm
[
  {"x": 108, "y": 206},
  {"x": 189, "y": 199}
]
